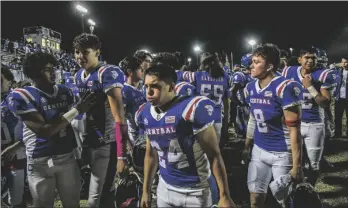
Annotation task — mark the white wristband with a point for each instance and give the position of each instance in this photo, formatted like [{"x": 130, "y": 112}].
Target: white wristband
[
  {"x": 121, "y": 158},
  {"x": 71, "y": 114},
  {"x": 313, "y": 91}
]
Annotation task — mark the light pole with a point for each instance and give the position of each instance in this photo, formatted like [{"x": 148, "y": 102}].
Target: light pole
[
  {"x": 197, "y": 50},
  {"x": 252, "y": 42},
  {"x": 92, "y": 24},
  {"x": 291, "y": 49},
  {"x": 82, "y": 11}
]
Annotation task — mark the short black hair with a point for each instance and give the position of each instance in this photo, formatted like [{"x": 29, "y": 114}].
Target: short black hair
[
  {"x": 308, "y": 49},
  {"x": 163, "y": 72},
  {"x": 132, "y": 63},
  {"x": 181, "y": 58},
  {"x": 284, "y": 54},
  {"x": 168, "y": 59},
  {"x": 5, "y": 70},
  {"x": 34, "y": 63},
  {"x": 141, "y": 54},
  {"x": 211, "y": 64},
  {"x": 86, "y": 40},
  {"x": 270, "y": 52}
]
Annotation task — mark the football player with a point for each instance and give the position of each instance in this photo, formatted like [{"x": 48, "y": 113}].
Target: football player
[
  {"x": 133, "y": 96},
  {"x": 240, "y": 80},
  {"x": 274, "y": 124},
  {"x": 47, "y": 133},
  {"x": 13, "y": 152},
  {"x": 180, "y": 139},
  {"x": 317, "y": 83},
  {"x": 106, "y": 128}
]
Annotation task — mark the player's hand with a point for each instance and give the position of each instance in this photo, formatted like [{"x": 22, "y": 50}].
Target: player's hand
[
  {"x": 86, "y": 102},
  {"x": 297, "y": 174},
  {"x": 226, "y": 202},
  {"x": 307, "y": 81},
  {"x": 122, "y": 168},
  {"x": 246, "y": 155},
  {"x": 145, "y": 200}
]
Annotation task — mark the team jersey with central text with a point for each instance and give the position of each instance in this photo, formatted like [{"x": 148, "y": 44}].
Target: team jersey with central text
[
  {"x": 51, "y": 107},
  {"x": 173, "y": 133},
  {"x": 321, "y": 78},
  {"x": 100, "y": 123},
  {"x": 266, "y": 107}
]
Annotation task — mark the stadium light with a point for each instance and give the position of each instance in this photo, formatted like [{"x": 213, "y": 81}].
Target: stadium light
[
  {"x": 197, "y": 49},
  {"x": 291, "y": 49},
  {"x": 189, "y": 59},
  {"x": 252, "y": 42},
  {"x": 92, "y": 24},
  {"x": 83, "y": 11}
]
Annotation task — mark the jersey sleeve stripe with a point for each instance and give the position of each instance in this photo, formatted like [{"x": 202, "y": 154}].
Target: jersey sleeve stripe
[
  {"x": 25, "y": 95},
  {"x": 192, "y": 77},
  {"x": 100, "y": 73},
  {"x": 285, "y": 71},
  {"x": 281, "y": 87},
  {"x": 185, "y": 76},
  {"x": 323, "y": 75},
  {"x": 178, "y": 87},
  {"x": 188, "y": 113},
  {"x": 139, "y": 110}
]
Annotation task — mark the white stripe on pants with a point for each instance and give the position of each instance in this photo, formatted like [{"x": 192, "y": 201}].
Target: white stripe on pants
[
  {"x": 16, "y": 188},
  {"x": 168, "y": 197}
]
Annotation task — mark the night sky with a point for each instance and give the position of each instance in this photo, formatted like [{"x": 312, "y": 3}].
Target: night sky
[{"x": 124, "y": 27}]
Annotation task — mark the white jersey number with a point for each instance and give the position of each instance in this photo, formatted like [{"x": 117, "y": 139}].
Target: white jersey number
[
  {"x": 306, "y": 104},
  {"x": 176, "y": 155},
  {"x": 218, "y": 91},
  {"x": 260, "y": 121}
]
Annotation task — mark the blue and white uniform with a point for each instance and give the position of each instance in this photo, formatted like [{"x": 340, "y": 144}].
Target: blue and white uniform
[
  {"x": 133, "y": 98},
  {"x": 51, "y": 163},
  {"x": 184, "y": 167},
  {"x": 271, "y": 154},
  {"x": 312, "y": 119},
  {"x": 184, "y": 89},
  {"x": 100, "y": 130},
  {"x": 11, "y": 132}
]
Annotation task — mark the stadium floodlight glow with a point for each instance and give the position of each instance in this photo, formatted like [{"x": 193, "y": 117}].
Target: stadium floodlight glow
[
  {"x": 81, "y": 8},
  {"x": 291, "y": 49},
  {"x": 189, "y": 59},
  {"x": 145, "y": 50},
  {"x": 252, "y": 42},
  {"x": 91, "y": 22},
  {"x": 197, "y": 49}
]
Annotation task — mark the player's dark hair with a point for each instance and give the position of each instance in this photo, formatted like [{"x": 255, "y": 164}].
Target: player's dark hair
[
  {"x": 166, "y": 58},
  {"x": 34, "y": 63},
  {"x": 293, "y": 61},
  {"x": 270, "y": 52},
  {"x": 133, "y": 64},
  {"x": 86, "y": 40},
  {"x": 140, "y": 54},
  {"x": 163, "y": 72},
  {"x": 308, "y": 49},
  {"x": 212, "y": 66},
  {"x": 123, "y": 63},
  {"x": 6, "y": 72},
  {"x": 181, "y": 58},
  {"x": 284, "y": 54}
]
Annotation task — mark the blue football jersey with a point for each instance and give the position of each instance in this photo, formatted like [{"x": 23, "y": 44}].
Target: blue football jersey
[
  {"x": 100, "y": 123},
  {"x": 31, "y": 99},
  {"x": 215, "y": 89},
  {"x": 184, "y": 89},
  {"x": 133, "y": 98},
  {"x": 69, "y": 82},
  {"x": 243, "y": 79},
  {"x": 321, "y": 78},
  {"x": 266, "y": 107},
  {"x": 173, "y": 133}
]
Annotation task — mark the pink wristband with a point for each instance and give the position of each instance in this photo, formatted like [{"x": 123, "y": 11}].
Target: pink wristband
[{"x": 119, "y": 140}]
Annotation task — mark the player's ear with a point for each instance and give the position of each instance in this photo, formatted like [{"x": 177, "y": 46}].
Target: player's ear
[
  {"x": 270, "y": 67},
  {"x": 299, "y": 60},
  {"x": 97, "y": 53}
]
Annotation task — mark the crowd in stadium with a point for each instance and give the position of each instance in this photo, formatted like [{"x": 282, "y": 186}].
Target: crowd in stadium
[{"x": 156, "y": 120}]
